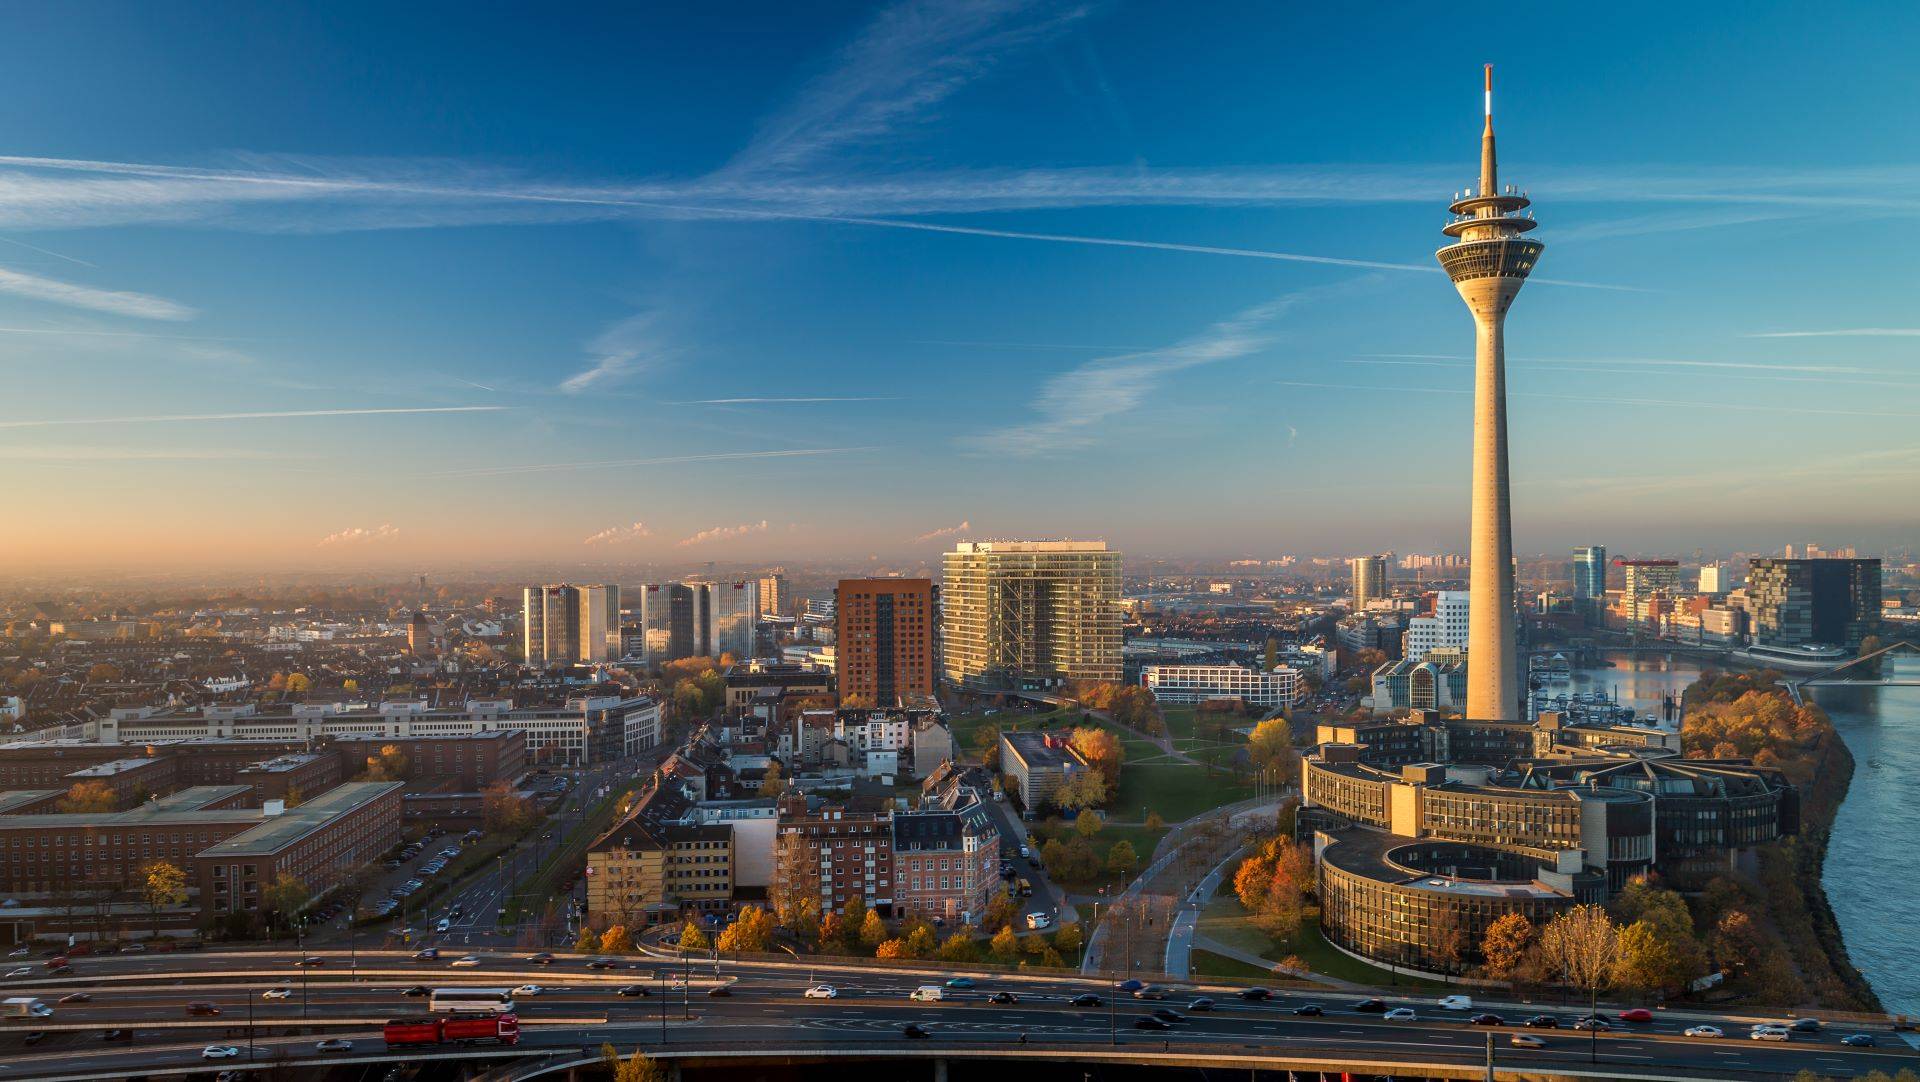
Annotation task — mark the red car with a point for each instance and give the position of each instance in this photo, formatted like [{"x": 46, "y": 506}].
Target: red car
[{"x": 1637, "y": 1014}]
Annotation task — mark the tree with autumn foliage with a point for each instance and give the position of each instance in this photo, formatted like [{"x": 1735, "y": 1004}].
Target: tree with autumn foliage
[
  {"x": 1272, "y": 885},
  {"x": 1101, "y": 750},
  {"x": 751, "y": 931},
  {"x": 1505, "y": 945}
]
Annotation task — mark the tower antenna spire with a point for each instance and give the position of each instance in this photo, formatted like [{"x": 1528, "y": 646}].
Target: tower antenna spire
[{"x": 1489, "y": 167}]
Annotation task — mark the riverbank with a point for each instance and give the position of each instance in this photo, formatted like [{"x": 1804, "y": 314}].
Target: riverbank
[{"x": 1792, "y": 874}]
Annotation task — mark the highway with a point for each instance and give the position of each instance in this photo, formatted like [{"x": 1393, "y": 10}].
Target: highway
[{"x": 146, "y": 995}]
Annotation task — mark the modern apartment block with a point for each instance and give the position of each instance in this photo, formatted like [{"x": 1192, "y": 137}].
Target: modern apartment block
[
  {"x": 1264, "y": 689},
  {"x": 838, "y": 853},
  {"x": 661, "y": 863},
  {"x": 564, "y": 624},
  {"x": 1030, "y": 614},
  {"x": 1828, "y": 602},
  {"x": 884, "y": 641},
  {"x": 1648, "y": 588},
  {"x": 775, "y": 598}
]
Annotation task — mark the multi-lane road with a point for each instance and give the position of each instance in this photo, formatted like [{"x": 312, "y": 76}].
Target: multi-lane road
[{"x": 580, "y": 1008}]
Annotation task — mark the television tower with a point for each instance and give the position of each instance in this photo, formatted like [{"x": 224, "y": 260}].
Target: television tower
[{"x": 1489, "y": 261}]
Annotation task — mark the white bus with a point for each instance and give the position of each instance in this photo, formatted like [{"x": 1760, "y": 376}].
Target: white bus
[{"x": 475, "y": 1000}]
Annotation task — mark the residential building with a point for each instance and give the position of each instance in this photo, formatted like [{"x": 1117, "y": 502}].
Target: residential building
[
  {"x": 837, "y": 853},
  {"x": 946, "y": 859},
  {"x": 1369, "y": 578},
  {"x": 883, "y": 640},
  {"x": 317, "y": 842},
  {"x": 1828, "y": 602},
  {"x": 564, "y": 624},
  {"x": 1444, "y": 628},
  {"x": 1714, "y": 579},
  {"x": 661, "y": 863},
  {"x": 1384, "y": 631},
  {"x": 1017, "y": 614},
  {"x": 469, "y": 761},
  {"x": 1261, "y": 689},
  {"x": 775, "y": 599}
]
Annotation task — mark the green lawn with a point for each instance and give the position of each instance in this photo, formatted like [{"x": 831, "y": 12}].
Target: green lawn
[
  {"x": 966, "y": 726},
  {"x": 1204, "y": 963},
  {"x": 1224, "y": 920},
  {"x": 1176, "y": 790},
  {"x": 1179, "y": 721}
]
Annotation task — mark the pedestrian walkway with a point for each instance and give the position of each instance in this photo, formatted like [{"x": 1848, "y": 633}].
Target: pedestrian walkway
[{"x": 1208, "y": 943}]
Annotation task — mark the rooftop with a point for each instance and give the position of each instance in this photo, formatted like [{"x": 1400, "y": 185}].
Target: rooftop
[{"x": 297, "y": 822}]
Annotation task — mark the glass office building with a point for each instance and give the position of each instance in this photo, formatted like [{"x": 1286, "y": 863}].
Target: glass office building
[{"x": 1029, "y": 614}]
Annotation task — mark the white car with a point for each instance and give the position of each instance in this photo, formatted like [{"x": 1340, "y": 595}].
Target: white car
[
  {"x": 1400, "y": 1014},
  {"x": 1771, "y": 1033},
  {"x": 19, "y": 952},
  {"x": 1705, "y": 1031},
  {"x": 334, "y": 1044},
  {"x": 466, "y": 961},
  {"x": 822, "y": 991},
  {"x": 1456, "y": 1003},
  {"x": 23, "y": 971},
  {"x": 219, "y": 1051},
  {"x": 277, "y": 993},
  {"x": 527, "y": 989}
]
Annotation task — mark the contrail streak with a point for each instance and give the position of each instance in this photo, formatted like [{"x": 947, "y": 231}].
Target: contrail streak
[{"x": 261, "y": 416}]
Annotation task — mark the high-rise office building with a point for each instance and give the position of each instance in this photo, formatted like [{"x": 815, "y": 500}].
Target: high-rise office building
[
  {"x": 774, "y": 599},
  {"x": 564, "y": 623},
  {"x": 1714, "y": 579},
  {"x": 1445, "y": 628},
  {"x": 698, "y": 619},
  {"x": 1646, "y": 587},
  {"x": 1029, "y": 613},
  {"x": 1590, "y": 580},
  {"x": 1369, "y": 578},
  {"x": 1809, "y": 602},
  {"x": 883, "y": 640},
  {"x": 1488, "y": 262}
]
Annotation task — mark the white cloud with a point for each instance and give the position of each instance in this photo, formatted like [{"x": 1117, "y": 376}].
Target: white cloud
[
  {"x": 359, "y": 535},
  {"x": 670, "y": 460},
  {"x": 628, "y": 347},
  {"x": 175, "y": 418},
  {"x": 1855, "y": 332},
  {"x": 615, "y": 535},
  {"x": 1075, "y": 404},
  {"x": 725, "y": 533},
  {"x": 944, "y": 531},
  {"x": 138, "y": 305},
  {"x": 785, "y": 401}
]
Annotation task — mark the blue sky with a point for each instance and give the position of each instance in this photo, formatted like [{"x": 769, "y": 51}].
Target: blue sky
[{"x": 318, "y": 285}]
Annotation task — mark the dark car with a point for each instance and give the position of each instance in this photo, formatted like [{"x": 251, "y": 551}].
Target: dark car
[
  {"x": 1085, "y": 999},
  {"x": 202, "y": 1008},
  {"x": 1486, "y": 1020},
  {"x": 1201, "y": 1004},
  {"x": 1166, "y": 1015},
  {"x": 720, "y": 991},
  {"x": 913, "y": 1031},
  {"x": 417, "y": 991},
  {"x": 1003, "y": 997},
  {"x": 1256, "y": 994},
  {"x": 117, "y": 1035},
  {"x": 76, "y": 997},
  {"x": 1858, "y": 1040},
  {"x": 603, "y": 963},
  {"x": 633, "y": 990},
  {"x": 1542, "y": 1021},
  {"x": 310, "y": 961},
  {"x": 427, "y": 955},
  {"x": 36, "y": 1036},
  {"x": 1147, "y": 1021},
  {"x": 541, "y": 959},
  {"x": 1805, "y": 1025},
  {"x": 1151, "y": 991},
  {"x": 1128, "y": 985},
  {"x": 1371, "y": 1006},
  {"x": 60, "y": 971},
  {"x": 1309, "y": 1010}
]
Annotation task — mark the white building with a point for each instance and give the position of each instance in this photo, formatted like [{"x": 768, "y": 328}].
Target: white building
[
  {"x": 872, "y": 732},
  {"x": 1445, "y": 629},
  {"x": 754, "y": 824},
  {"x": 1714, "y": 579},
  {"x": 588, "y": 729},
  {"x": 1199, "y": 683}
]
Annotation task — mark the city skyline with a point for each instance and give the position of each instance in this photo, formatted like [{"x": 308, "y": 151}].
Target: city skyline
[{"x": 636, "y": 306}]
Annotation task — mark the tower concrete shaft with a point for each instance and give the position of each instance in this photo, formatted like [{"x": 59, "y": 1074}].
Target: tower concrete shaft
[{"x": 1488, "y": 263}]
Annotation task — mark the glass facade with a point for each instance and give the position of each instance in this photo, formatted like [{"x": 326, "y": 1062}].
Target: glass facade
[
  {"x": 1030, "y": 614},
  {"x": 1814, "y": 602}
]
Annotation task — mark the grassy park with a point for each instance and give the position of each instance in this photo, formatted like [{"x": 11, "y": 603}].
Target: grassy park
[{"x": 1226, "y": 922}]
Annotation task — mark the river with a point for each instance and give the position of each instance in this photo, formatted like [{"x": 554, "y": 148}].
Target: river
[{"x": 1866, "y": 874}]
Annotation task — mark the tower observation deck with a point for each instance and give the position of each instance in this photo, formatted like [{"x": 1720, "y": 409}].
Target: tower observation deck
[{"x": 1488, "y": 262}]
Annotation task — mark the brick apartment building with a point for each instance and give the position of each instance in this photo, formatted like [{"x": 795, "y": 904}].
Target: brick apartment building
[
  {"x": 342, "y": 828},
  {"x": 843, "y": 853},
  {"x": 468, "y": 761},
  {"x": 884, "y": 641}
]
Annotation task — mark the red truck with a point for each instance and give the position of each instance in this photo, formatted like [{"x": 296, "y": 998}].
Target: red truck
[{"x": 453, "y": 1029}]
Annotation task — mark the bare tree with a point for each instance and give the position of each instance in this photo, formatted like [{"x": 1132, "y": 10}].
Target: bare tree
[{"x": 1581, "y": 945}]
